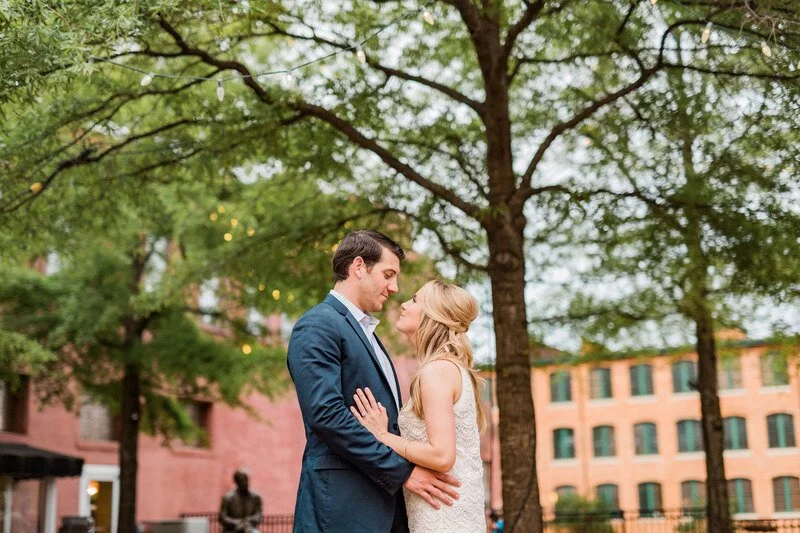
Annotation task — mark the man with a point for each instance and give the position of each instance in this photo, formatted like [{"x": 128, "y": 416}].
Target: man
[
  {"x": 240, "y": 511},
  {"x": 349, "y": 481}
]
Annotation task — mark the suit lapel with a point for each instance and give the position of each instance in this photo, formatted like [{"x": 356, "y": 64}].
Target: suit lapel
[{"x": 339, "y": 306}]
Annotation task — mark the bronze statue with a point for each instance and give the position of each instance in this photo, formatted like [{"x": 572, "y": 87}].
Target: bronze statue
[{"x": 240, "y": 511}]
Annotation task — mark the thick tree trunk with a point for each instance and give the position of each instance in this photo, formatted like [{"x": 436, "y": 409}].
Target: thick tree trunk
[
  {"x": 521, "y": 504},
  {"x": 719, "y": 518},
  {"x": 128, "y": 448}
]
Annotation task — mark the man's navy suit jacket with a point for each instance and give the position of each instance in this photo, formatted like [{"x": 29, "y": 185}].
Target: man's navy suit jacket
[{"x": 349, "y": 481}]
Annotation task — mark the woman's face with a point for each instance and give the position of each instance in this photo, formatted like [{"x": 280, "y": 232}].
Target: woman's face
[{"x": 410, "y": 315}]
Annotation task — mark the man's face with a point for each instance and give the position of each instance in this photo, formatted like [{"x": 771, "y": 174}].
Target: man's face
[{"x": 376, "y": 284}]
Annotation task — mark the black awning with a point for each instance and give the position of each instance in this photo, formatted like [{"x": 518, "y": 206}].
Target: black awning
[{"x": 21, "y": 461}]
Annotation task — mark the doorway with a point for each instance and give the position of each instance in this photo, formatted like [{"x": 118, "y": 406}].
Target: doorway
[{"x": 99, "y": 496}]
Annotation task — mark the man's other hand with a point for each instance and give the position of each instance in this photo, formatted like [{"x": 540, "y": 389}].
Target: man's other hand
[{"x": 433, "y": 487}]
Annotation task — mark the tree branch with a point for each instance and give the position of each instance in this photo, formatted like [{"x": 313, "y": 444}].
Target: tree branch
[{"x": 338, "y": 123}]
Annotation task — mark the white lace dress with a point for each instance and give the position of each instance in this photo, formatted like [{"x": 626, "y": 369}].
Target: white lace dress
[{"x": 467, "y": 513}]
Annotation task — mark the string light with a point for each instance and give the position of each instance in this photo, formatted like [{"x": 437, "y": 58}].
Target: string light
[
  {"x": 276, "y": 294},
  {"x": 220, "y": 209},
  {"x": 246, "y": 349},
  {"x": 220, "y": 91},
  {"x": 706, "y": 33},
  {"x": 234, "y": 222},
  {"x": 287, "y": 73},
  {"x": 228, "y": 237},
  {"x": 262, "y": 286},
  {"x": 213, "y": 217},
  {"x": 36, "y": 187},
  {"x": 362, "y": 57},
  {"x": 765, "y": 49},
  {"x": 251, "y": 232}
]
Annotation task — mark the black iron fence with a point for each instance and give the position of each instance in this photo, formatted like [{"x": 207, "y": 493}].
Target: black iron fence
[
  {"x": 657, "y": 521},
  {"x": 275, "y": 523}
]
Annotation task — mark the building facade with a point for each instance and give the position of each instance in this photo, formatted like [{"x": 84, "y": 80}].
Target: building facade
[
  {"x": 626, "y": 430},
  {"x": 173, "y": 478}
]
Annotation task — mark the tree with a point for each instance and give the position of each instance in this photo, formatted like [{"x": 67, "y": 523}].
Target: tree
[
  {"x": 120, "y": 316},
  {"x": 470, "y": 118},
  {"x": 700, "y": 220}
]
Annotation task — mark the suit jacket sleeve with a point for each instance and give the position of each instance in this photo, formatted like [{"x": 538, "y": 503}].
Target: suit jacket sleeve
[{"x": 315, "y": 365}]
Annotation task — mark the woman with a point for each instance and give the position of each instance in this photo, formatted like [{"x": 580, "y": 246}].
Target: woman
[{"x": 440, "y": 423}]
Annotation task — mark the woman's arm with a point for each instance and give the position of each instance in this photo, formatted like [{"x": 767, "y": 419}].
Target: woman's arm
[{"x": 440, "y": 388}]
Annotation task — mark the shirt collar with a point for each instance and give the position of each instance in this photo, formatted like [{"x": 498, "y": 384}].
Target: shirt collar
[{"x": 366, "y": 320}]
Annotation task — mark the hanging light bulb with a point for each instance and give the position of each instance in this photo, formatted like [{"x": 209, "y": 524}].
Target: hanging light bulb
[
  {"x": 288, "y": 80},
  {"x": 220, "y": 91},
  {"x": 427, "y": 17},
  {"x": 706, "y": 33},
  {"x": 362, "y": 57},
  {"x": 765, "y": 49},
  {"x": 147, "y": 79}
]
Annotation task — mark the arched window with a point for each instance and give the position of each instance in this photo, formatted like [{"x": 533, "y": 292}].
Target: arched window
[
  {"x": 735, "y": 431},
  {"x": 649, "y": 499},
  {"x": 786, "y": 491},
  {"x": 563, "y": 443},
  {"x": 641, "y": 380},
  {"x": 608, "y": 493},
  {"x": 780, "y": 430},
  {"x": 740, "y": 494},
  {"x": 684, "y": 376},
  {"x": 690, "y": 436},
  {"x": 560, "y": 386},
  {"x": 645, "y": 439},
  {"x": 603, "y": 439}
]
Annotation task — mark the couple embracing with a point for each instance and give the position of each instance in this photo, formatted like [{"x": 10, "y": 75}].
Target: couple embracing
[{"x": 363, "y": 444}]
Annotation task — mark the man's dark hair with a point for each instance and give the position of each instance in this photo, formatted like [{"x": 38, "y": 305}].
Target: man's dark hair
[{"x": 367, "y": 244}]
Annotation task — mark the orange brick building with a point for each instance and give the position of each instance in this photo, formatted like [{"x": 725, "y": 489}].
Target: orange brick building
[{"x": 625, "y": 429}]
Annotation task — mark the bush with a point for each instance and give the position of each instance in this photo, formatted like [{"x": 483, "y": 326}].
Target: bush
[{"x": 575, "y": 514}]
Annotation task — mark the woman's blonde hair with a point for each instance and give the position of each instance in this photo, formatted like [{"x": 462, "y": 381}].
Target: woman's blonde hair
[{"x": 447, "y": 312}]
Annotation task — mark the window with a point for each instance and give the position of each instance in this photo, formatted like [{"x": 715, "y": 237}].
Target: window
[
  {"x": 780, "y": 431},
  {"x": 603, "y": 438},
  {"x": 786, "y": 491},
  {"x": 564, "y": 443},
  {"x": 641, "y": 380},
  {"x": 735, "y": 431},
  {"x": 199, "y": 413},
  {"x": 608, "y": 493},
  {"x": 560, "y": 386},
  {"x": 649, "y": 499},
  {"x": 600, "y": 383},
  {"x": 690, "y": 436},
  {"x": 684, "y": 376},
  {"x": 645, "y": 440},
  {"x": 774, "y": 369},
  {"x": 693, "y": 494},
  {"x": 96, "y": 421},
  {"x": 564, "y": 490},
  {"x": 740, "y": 495},
  {"x": 13, "y": 405},
  {"x": 729, "y": 372}
]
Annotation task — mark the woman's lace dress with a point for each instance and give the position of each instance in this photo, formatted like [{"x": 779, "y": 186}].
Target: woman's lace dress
[{"x": 467, "y": 512}]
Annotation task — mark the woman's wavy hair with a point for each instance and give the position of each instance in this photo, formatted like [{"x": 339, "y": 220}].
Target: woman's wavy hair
[{"x": 447, "y": 312}]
